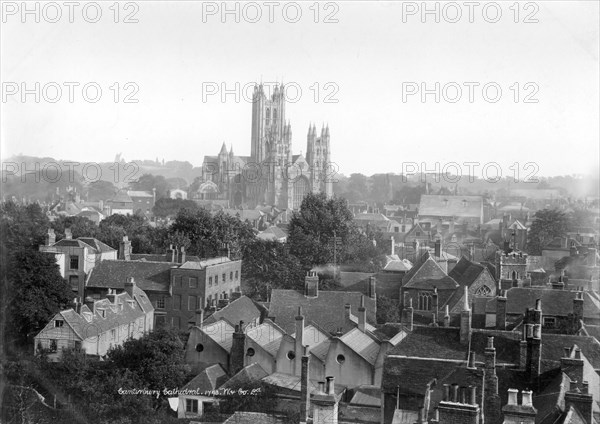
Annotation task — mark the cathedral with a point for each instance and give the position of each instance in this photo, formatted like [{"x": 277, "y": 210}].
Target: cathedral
[{"x": 271, "y": 175}]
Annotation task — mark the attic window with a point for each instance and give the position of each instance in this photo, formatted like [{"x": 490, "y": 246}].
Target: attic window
[
  {"x": 102, "y": 313},
  {"x": 291, "y": 355},
  {"x": 199, "y": 347},
  {"x": 340, "y": 359},
  {"x": 58, "y": 323},
  {"x": 250, "y": 352}
]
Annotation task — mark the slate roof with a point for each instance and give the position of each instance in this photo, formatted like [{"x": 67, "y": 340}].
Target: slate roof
[
  {"x": 367, "y": 395},
  {"x": 327, "y": 310},
  {"x": 248, "y": 374},
  {"x": 121, "y": 197},
  {"x": 466, "y": 272},
  {"x": 363, "y": 344},
  {"x": 134, "y": 193},
  {"x": 97, "y": 244},
  {"x": 73, "y": 243},
  {"x": 201, "y": 264},
  {"x": 440, "y": 205},
  {"x": 241, "y": 309},
  {"x": 292, "y": 382},
  {"x": 276, "y": 231},
  {"x": 320, "y": 350},
  {"x": 424, "y": 274},
  {"x": 413, "y": 374},
  {"x": 210, "y": 379},
  {"x": 221, "y": 332},
  {"x": 554, "y": 302},
  {"x": 267, "y": 335},
  {"x": 243, "y": 417},
  {"x": 398, "y": 265},
  {"x": 149, "y": 276},
  {"x": 159, "y": 257},
  {"x": 312, "y": 336}
]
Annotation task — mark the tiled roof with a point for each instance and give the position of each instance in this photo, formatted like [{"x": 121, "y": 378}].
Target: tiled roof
[
  {"x": 413, "y": 374},
  {"x": 398, "y": 265},
  {"x": 327, "y": 310},
  {"x": 149, "y": 276},
  {"x": 189, "y": 264},
  {"x": 554, "y": 302},
  {"x": 371, "y": 217},
  {"x": 73, "y": 243},
  {"x": 209, "y": 379},
  {"x": 242, "y": 309},
  {"x": 97, "y": 244},
  {"x": 466, "y": 272},
  {"x": 312, "y": 336},
  {"x": 292, "y": 382},
  {"x": 221, "y": 332},
  {"x": 133, "y": 193},
  {"x": 367, "y": 395},
  {"x": 121, "y": 197},
  {"x": 426, "y": 269},
  {"x": 159, "y": 257},
  {"x": 458, "y": 206},
  {"x": 248, "y": 374},
  {"x": 267, "y": 335},
  {"x": 276, "y": 231},
  {"x": 362, "y": 344},
  {"x": 118, "y": 314},
  {"x": 320, "y": 350}
]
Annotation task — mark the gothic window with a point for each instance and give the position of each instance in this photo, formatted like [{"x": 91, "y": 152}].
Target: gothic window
[
  {"x": 274, "y": 115},
  {"x": 268, "y": 119},
  {"x": 483, "y": 291},
  {"x": 425, "y": 301}
]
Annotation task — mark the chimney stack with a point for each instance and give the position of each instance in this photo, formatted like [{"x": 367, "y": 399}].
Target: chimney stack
[
  {"x": 304, "y": 393},
  {"x": 501, "y": 311},
  {"x": 237, "y": 349},
  {"x": 372, "y": 287},
  {"x": 125, "y": 249},
  {"x": 362, "y": 315},
  {"x": 130, "y": 286},
  {"x": 393, "y": 250},
  {"x": 299, "y": 342},
  {"x": 199, "y": 317},
  {"x": 578, "y": 307},
  {"x": 50, "y": 237},
  {"x": 438, "y": 248},
  {"x": 311, "y": 284},
  {"x": 523, "y": 413},
  {"x": 68, "y": 234},
  {"x": 182, "y": 255},
  {"x": 459, "y": 406},
  {"x": 492, "y": 398},
  {"x": 465, "y": 320},
  {"x": 407, "y": 315},
  {"x": 447, "y": 317}
]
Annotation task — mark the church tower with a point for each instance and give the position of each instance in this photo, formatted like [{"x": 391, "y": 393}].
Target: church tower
[
  {"x": 268, "y": 121},
  {"x": 318, "y": 156}
]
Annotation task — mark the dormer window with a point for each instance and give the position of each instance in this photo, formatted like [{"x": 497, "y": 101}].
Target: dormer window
[
  {"x": 102, "y": 312},
  {"x": 87, "y": 316}
]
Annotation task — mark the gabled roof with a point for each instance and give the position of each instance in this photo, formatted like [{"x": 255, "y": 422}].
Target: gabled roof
[
  {"x": 121, "y": 197},
  {"x": 276, "y": 231},
  {"x": 427, "y": 274},
  {"x": 326, "y": 310},
  {"x": 73, "y": 243},
  {"x": 97, "y": 244},
  {"x": 241, "y": 309},
  {"x": 190, "y": 264},
  {"x": 248, "y": 374},
  {"x": 267, "y": 335},
  {"x": 149, "y": 276},
  {"x": 210, "y": 379},
  {"x": 367, "y": 395},
  {"x": 398, "y": 265},
  {"x": 221, "y": 332},
  {"x": 313, "y": 337},
  {"x": 363, "y": 344},
  {"x": 466, "y": 272}
]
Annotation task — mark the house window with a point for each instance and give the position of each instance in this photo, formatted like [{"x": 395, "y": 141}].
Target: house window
[
  {"x": 58, "y": 323},
  {"x": 113, "y": 334},
  {"x": 417, "y": 233},
  {"x": 236, "y": 275},
  {"x": 77, "y": 345},
  {"x": 193, "y": 282},
  {"x": 250, "y": 352},
  {"x": 224, "y": 277},
  {"x": 73, "y": 262},
  {"x": 192, "y": 303},
  {"x": 177, "y": 302},
  {"x": 549, "y": 322},
  {"x": 340, "y": 359},
  {"x": 74, "y": 282},
  {"x": 160, "y": 302},
  {"x": 141, "y": 325},
  {"x": 424, "y": 301},
  {"x": 191, "y": 405},
  {"x": 53, "y": 345},
  {"x": 483, "y": 291},
  {"x": 231, "y": 276},
  {"x": 209, "y": 281},
  {"x": 216, "y": 280}
]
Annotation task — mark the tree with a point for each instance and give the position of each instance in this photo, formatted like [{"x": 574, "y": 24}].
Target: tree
[
  {"x": 148, "y": 182},
  {"x": 80, "y": 227},
  {"x": 269, "y": 264},
  {"x": 387, "y": 310},
  {"x": 166, "y": 206},
  {"x": 36, "y": 292},
  {"x": 547, "y": 224},
  {"x": 100, "y": 190}
]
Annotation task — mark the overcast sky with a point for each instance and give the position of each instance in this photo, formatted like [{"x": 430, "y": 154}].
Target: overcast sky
[{"x": 370, "y": 57}]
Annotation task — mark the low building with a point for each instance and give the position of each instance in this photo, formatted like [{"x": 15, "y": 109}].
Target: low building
[
  {"x": 199, "y": 394},
  {"x": 99, "y": 325}
]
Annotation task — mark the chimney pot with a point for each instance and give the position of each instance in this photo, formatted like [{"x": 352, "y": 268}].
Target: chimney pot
[
  {"x": 454, "y": 393},
  {"x": 512, "y": 396},
  {"x": 330, "y": 385},
  {"x": 527, "y": 398},
  {"x": 446, "y": 392},
  {"x": 585, "y": 387},
  {"x": 473, "y": 395}
]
